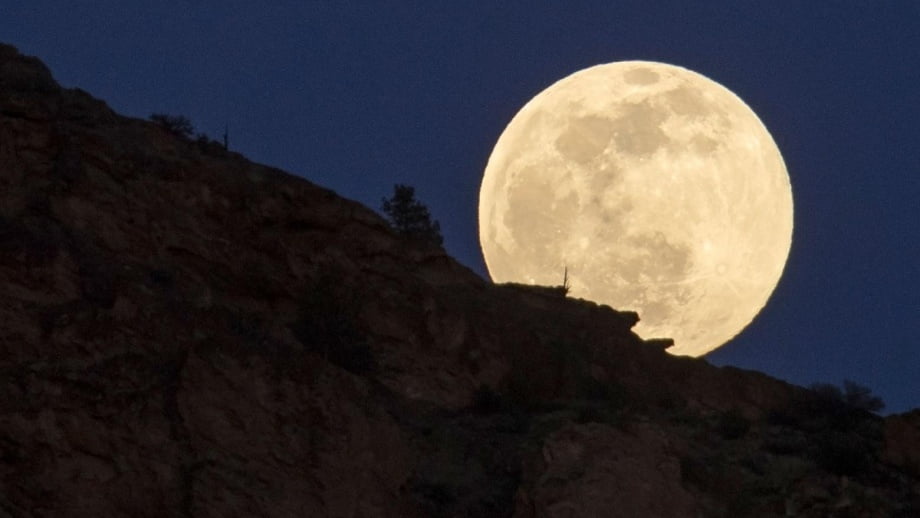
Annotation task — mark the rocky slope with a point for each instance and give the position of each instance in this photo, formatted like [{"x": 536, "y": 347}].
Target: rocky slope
[{"x": 186, "y": 333}]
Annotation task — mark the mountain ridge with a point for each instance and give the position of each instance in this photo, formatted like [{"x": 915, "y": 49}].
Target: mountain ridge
[{"x": 188, "y": 333}]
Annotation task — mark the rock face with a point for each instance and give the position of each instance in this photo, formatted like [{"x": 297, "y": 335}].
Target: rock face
[
  {"x": 186, "y": 333},
  {"x": 596, "y": 470},
  {"x": 902, "y": 441}
]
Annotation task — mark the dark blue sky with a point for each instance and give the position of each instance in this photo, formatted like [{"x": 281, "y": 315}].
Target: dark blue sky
[{"x": 357, "y": 96}]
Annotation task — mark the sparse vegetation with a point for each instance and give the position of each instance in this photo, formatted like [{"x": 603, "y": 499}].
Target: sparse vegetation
[
  {"x": 181, "y": 126},
  {"x": 853, "y": 395},
  {"x": 176, "y": 124},
  {"x": 833, "y": 427},
  {"x": 208, "y": 145},
  {"x": 410, "y": 218},
  {"x": 859, "y": 396}
]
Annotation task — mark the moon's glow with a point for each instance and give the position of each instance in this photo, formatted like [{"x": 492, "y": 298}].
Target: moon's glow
[{"x": 658, "y": 189}]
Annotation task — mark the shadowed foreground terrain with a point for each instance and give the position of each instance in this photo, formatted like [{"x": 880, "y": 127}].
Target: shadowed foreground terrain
[{"x": 186, "y": 333}]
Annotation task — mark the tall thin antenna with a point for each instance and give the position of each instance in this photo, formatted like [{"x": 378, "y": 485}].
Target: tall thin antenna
[
  {"x": 565, "y": 279},
  {"x": 226, "y": 136}
]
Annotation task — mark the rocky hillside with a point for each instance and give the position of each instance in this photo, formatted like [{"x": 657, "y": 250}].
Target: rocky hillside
[{"x": 186, "y": 333}]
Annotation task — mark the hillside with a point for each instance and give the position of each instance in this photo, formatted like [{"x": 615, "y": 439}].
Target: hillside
[{"x": 186, "y": 333}]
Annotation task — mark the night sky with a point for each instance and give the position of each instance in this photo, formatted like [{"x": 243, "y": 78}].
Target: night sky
[{"x": 357, "y": 96}]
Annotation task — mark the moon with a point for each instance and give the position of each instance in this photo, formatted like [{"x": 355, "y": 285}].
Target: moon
[{"x": 657, "y": 190}]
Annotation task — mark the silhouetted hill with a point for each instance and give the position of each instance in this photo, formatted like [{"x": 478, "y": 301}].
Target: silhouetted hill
[{"x": 186, "y": 333}]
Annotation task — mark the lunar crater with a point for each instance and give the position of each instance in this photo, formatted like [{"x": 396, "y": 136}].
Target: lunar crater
[
  {"x": 637, "y": 131},
  {"x": 640, "y": 76},
  {"x": 687, "y": 102},
  {"x": 584, "y": 138}
]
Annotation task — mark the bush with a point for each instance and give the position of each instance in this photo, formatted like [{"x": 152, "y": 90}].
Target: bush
[
  {"x": 175, "y": 124},
  {"x": 827, "y": 392},
  {"x": 208, "y": 145},
  {"x": 837, "y": 429},
  {"x": 853, "y": 395},
  {"x": 858, "y": 396}
]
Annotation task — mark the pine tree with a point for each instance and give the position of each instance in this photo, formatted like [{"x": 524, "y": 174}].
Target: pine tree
[{"x": 410, "y": 218}]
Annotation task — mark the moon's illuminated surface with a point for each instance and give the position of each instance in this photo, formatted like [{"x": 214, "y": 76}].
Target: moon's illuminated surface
[{"x": 658, "y": 189}]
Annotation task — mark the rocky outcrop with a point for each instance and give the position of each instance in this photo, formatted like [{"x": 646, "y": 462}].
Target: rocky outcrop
[
  {"x": 598, "y": 470},
  {"x": 186, "y": 333}
]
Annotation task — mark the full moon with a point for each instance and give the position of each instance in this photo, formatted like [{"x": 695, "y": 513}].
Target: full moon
[{"x": 655, "y": 188}]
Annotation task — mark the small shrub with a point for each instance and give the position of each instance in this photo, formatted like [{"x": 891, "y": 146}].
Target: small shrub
[
  {"x": 853, "y": 395},
  {"x": 859, "y": 396},
  {"x": 176, "y": 124},
  {"x": 827, "y": 392},
  {"x": 826, "y": 406},
  {"x": 208, "y": 145}
]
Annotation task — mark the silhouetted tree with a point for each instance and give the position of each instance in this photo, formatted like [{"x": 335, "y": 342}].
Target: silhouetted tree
[
  {"x": 853, "y": 395},
  {"x": 175, "y": 124},
  {"x": 827, "y": 392},
  {"x": 859, "y": 396},
  {"x": 410, "y": 218}
]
